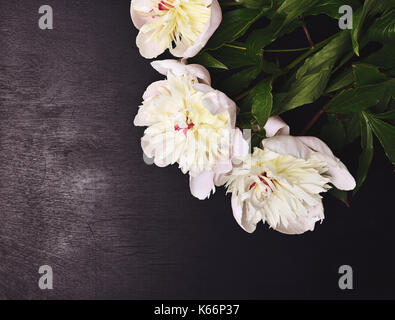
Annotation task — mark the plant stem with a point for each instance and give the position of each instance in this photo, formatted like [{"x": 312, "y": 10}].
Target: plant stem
[
  {"x": 270, "y": 50},
  {"x": 234, "y": 46},
  {"x": 287, "y": 50},
  {"x": 242, "y": 95},
  {"x": 312, "y": 121},
  {"x": 307, "y": 33},
  {"x": 294, "y": 63},
  {"x": 309, "y": 53}
]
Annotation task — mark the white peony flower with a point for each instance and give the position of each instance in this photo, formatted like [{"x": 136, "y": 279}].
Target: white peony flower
[
  {"x": 183, "y": 26},
  {"x": 281, "y": 183},
  {"x": 191, "y": 124}
]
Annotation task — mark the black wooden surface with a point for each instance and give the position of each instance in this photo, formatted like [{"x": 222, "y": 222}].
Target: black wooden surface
[{"x": 75, "y": 193}]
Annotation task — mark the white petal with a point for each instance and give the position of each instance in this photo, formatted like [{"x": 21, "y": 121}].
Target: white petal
[
  {"x": 246, "y": 223},
  {"x": 149, "y": 48},
  {"x": 202, "y": 185},
  {"x": 153, "y": 89},
  {"x": 302, "y": 224},
  {"x": 337, "y": 171},
  {"x": 137, "y": 19},
  {"x": 141, "y": 5},
  {"x": 217, "y": 102},
  {"x": 276, "y": 125},
  {"x": 180, "y": 68},
  {"x": 283, "y": 144},
  {"x": 240, "y": 145},
  {"x": 215, "y": 20}
]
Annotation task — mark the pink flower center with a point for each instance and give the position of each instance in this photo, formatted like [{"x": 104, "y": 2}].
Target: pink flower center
[
  {"x": 253, "y": 185},
  {"x": 164, "y": 5},
  {"x": 185, "y": 130}
]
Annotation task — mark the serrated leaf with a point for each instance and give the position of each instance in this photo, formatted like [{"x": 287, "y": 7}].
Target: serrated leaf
[
  {"x": 357, "y": 99},
  {"x": 366, "y": 156},
  {"x": 262, "y": 101},
  {"x": 385, "y": 133},
  {"x": 367, "y": 74},
  {"x": 207, "y": 60},
  {"x": 234, "y": 24}
]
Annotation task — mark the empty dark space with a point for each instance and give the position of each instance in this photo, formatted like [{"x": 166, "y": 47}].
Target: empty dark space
[{"x": 76, "y": 194}]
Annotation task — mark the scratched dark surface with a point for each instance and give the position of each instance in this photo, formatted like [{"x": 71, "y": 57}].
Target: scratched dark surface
[{"x": 75, "y": 193}]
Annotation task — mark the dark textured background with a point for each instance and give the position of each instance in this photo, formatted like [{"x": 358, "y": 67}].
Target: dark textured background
[{"x": 76, "y": 194}]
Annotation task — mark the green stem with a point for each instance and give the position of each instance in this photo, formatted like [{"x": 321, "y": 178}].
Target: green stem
[
  {"x": 234, "y": 46},
  {"x": 294, "y": 63},
  {"x": 270, "y": 50},
  {"x": 317, "y": 47}
]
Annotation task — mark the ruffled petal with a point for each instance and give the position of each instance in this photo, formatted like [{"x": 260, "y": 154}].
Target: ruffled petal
[
  {"x": 148, "y": 48},
  {"x": 283, "y": 144},
  {"x": 275, "y": 126},
  {"x": 153, "y": 89},
  {"x": 202, "y": 185},
  {"x": 302, "y": 224},
  {"x": 248, "y": 224},
  {"x": 240, "y": 145},
  {"x": 337, "y": 171},
  {"x": 217, "y": 102},
  {"x": 180, "y": 68},
  {"x": 137, "y": 8}
]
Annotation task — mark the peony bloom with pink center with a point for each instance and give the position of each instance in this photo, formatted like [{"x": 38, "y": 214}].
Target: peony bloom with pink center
[
  {"x": 182, "y": 26},
  {"x": 281, "y": 182},
  {"x": 190, "y": 123}
]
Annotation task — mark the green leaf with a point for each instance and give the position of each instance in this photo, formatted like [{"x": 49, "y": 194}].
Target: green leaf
[
  {"x": 344, "y": 80},
  {"x": 305, "y": 90},
  {"x": 234, "y": 24},
  {"x": 313, "y": 76},
  {"x": 386, "y": 115},
  {"x": 283, "y": 22},
  {"x": 262, "y": 101},
  {"x": 385, "y": 133},
  {"x": 367, "y": 74},
  {"x": 357, "y": 99},
  {"x": 207, "y": 60},
  {"x": 383, "y": 29},
  {"x": 326, "y": 57},
  {"x": 352, "y": 126},
  {"x": 233, "y": 57},
  {"x": 240, "y": 80},
  {"x": 331, "y": 7},
  {"x": 334, "y": 133},
  {"x": 383, "y": 58},
  {"x": 359, "y": 19},
  {"x": 294, "y": 8},
  {"x": 366, "y": 157},
  {"x": 255, "y": 4}
]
